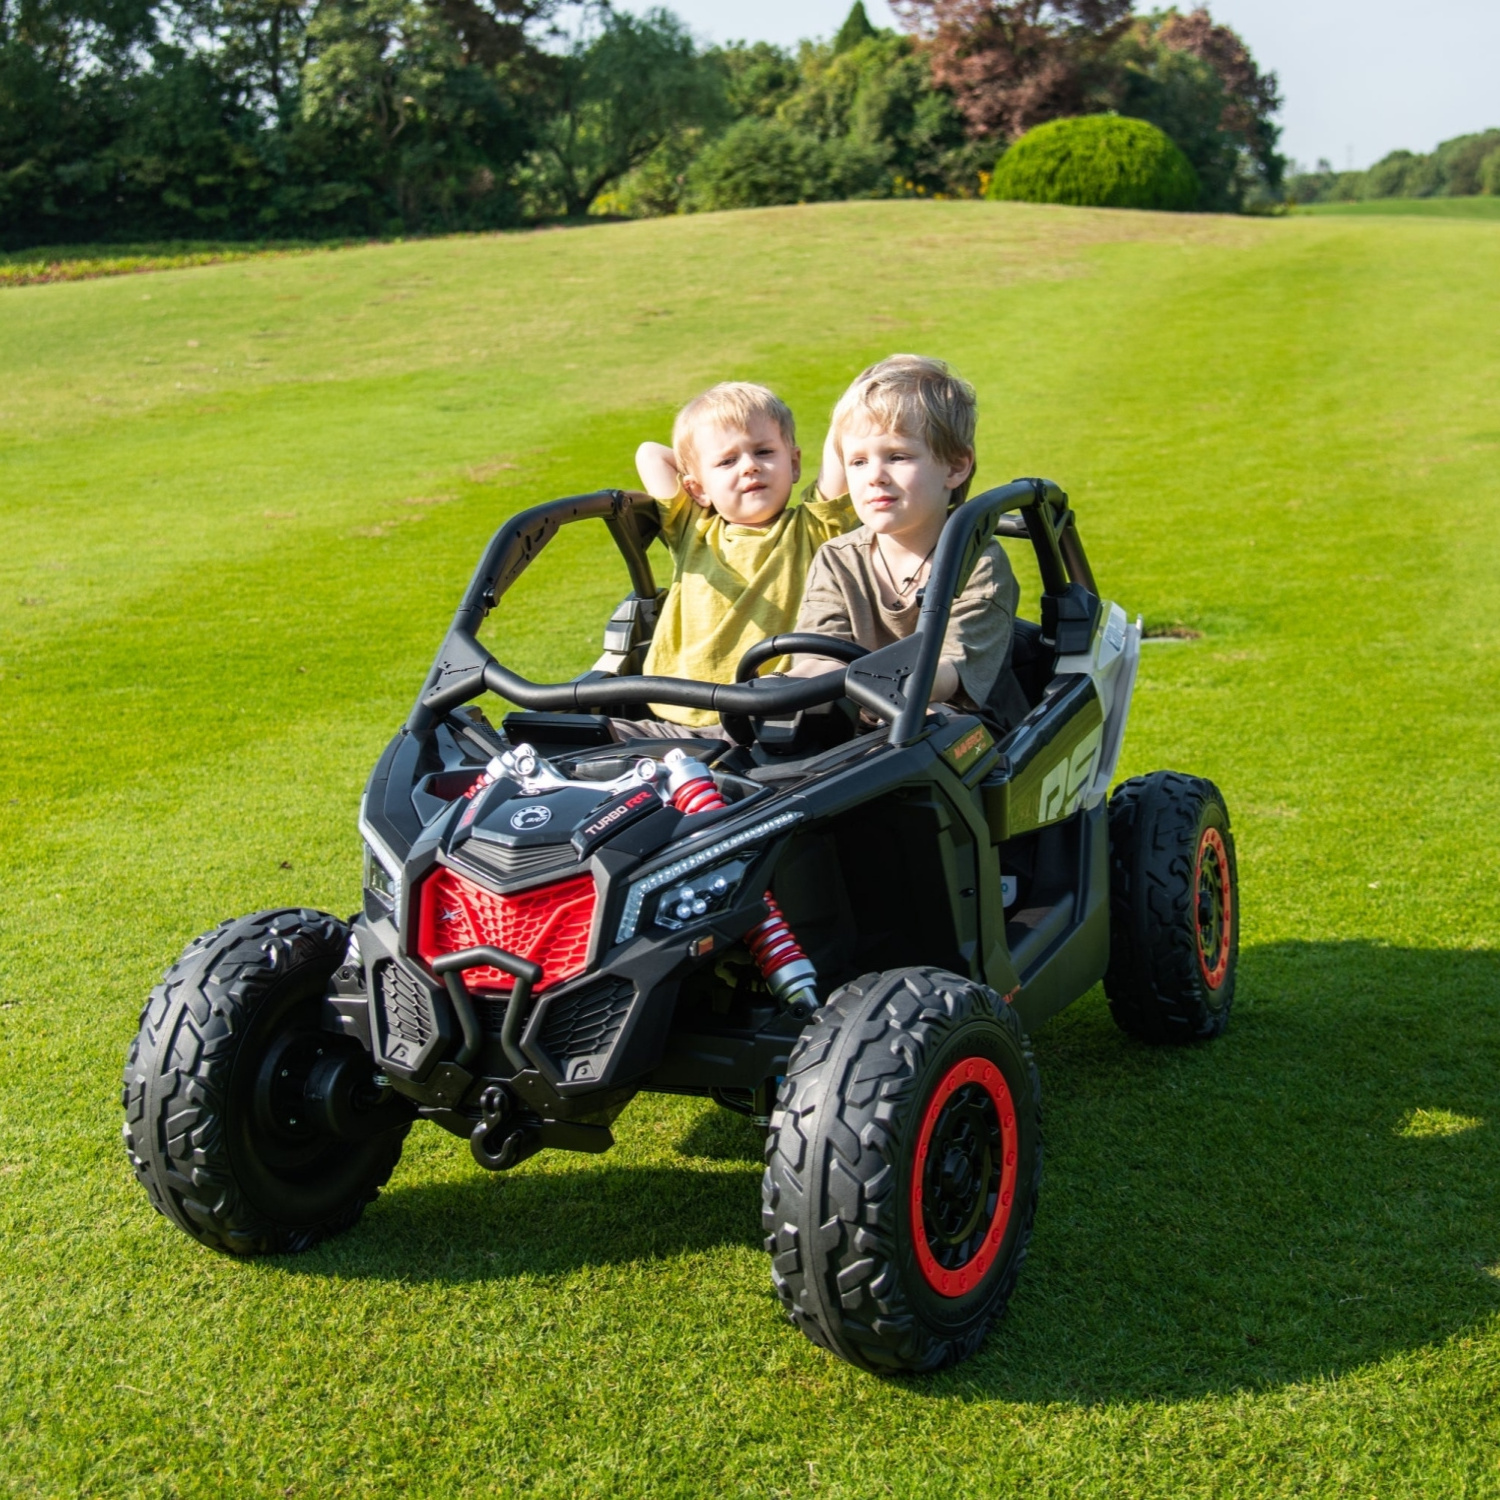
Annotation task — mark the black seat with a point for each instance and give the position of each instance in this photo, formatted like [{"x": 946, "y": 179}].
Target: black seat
[{"x": 1031, "y": 660}]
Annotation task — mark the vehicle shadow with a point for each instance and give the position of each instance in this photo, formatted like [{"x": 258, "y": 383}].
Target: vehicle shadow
[
  {"x": 723, "y": 1135},
  {"x": 547, "y": 1218},
  {"x": 1317, "y": 1190}
]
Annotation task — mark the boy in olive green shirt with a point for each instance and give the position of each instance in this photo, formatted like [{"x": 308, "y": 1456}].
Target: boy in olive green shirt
[{"x": 740, "y": 553}]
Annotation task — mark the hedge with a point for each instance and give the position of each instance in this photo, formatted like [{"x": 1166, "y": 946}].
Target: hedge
[{"x": 1101, "y": 161}]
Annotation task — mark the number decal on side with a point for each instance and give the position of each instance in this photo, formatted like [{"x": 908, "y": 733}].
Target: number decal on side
[{"x": 1065, "y": 782}]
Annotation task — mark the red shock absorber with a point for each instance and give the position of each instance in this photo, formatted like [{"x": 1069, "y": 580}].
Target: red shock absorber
[
  {"x": 698, "y": 793},
  {"x": 772, "y": 943},
  {"x": 692, "y": 788}
]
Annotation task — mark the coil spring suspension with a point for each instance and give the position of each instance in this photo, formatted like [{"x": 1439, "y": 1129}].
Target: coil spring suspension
[
  {"x": 772, "y": 943},
  {"x": 698, "y": 794}
]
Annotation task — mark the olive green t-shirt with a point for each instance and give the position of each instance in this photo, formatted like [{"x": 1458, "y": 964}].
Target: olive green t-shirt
[
  {"x": 731, "y": 587},
  {"x": 848, "y": 598}
]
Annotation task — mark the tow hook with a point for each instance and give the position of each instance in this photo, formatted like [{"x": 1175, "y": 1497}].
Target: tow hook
[
  {"x": 499, "y": 1142},
  {"x": 505, "y": 1137}
]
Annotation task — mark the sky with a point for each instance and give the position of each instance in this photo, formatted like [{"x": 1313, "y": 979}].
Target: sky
[{"x": 1359, "y": 77}]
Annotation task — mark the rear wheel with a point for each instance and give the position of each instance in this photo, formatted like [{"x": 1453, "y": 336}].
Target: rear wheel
[
  {"x": 1174, "y": 909},
  {"x": 248, "y": 1125},
  {"x": 902, "y": 1170}
]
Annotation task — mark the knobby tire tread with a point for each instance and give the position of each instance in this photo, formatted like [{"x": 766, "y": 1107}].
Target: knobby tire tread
[
  {"x": 1156, "y": 992},
  {"x": 829, "y": 1196},
  {"x": 177, "y": 1075}
]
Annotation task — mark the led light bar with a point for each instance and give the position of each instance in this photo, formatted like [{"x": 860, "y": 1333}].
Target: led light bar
[
  {"x": 388, "y": 861},
  {"x": 635, "y": 898}
]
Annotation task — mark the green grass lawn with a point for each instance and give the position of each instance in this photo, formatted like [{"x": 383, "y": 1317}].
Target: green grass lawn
[
  {"x": 239, "y": 503},
  {"x": 1435, "y": 208}
]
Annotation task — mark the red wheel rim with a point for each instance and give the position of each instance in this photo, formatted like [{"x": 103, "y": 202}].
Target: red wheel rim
[
  {"x": 963, "y": 1179},
  {"x": 1214, "y": 902}
]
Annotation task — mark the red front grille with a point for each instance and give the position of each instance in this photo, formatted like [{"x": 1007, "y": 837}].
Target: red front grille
[{"x": 549, "y": 925}]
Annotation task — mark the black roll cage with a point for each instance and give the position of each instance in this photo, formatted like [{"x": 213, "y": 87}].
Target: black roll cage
[{"x": 895, "y": 682}]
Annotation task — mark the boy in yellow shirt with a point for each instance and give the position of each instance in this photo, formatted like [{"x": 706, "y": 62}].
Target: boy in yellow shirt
[{"x": 740, "y": 552}]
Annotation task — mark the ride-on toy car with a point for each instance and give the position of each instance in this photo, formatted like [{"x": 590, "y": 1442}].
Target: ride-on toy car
[{"x": 843, "y": 931}]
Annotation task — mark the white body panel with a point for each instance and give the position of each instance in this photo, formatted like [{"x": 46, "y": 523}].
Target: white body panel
[{"x": 1112, "y": 659}]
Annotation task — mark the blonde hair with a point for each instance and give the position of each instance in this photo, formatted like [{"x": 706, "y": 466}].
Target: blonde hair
[
  {"x": 733, "y": 404},
  {"x": 916, "y": 397}
]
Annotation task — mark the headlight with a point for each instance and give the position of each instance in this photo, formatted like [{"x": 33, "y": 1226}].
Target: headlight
[
  {"x": 670, "y": 875},
  {"x": 380, "y": 880},
  {"x": 703, "y": 893},
  {"x": 382, "y": 873}
]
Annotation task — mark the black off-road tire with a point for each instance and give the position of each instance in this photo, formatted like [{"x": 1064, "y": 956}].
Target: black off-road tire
[
  {"x": 1174, "y": 909},
  {"x": 206, "y": 1130},
  {"x": 869, "y": 1105}
]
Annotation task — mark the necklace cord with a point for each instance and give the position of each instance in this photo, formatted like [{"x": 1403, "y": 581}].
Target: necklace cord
[{"x": 901, "y": 590}]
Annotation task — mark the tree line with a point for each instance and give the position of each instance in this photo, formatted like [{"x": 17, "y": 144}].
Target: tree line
[
  {"x": 1464, "y": 167},
  {"x": 266, "y": 119}
]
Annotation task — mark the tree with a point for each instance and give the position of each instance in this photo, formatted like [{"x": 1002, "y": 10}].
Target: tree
[
  {"x": 858, "y": 118},
  {"x": 856, "y": 29},
  {"x": 759, "y": 162},
  {"x": 614, "y": 96},
  {"x": 67, "y": 73},
  {"x": 1015, "y": 64},
  {"x": 491, "y": 33},
  {"x": 256, "y": 48},
  {"x": 395, "y": 118},
  {"x": 1182, "y": 95},
  {"x": 1198, "y": 82},
  {"x": 1462, "y": 167},
  {"x": 759, "y": 77},
  {"x": 878, "y": 95},
  {"x": 1020, "y": 63},
  {"x": 1248, "y": 97}
]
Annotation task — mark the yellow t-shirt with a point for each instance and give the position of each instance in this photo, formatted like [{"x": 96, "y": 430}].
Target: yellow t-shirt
[{"x": 732, "y": 586}]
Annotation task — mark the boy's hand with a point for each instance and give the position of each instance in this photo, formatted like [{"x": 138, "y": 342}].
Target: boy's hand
[
  {"x": 833, "y": 483},
  {"x": 657, "y": 465}
]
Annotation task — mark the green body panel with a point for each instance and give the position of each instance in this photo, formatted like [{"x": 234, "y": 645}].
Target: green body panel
[{"x": 1049, "y": 782}]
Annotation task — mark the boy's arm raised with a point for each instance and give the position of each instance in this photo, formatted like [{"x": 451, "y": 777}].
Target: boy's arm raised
[
  {"x": 657, "y": 465},
  {"x": 833, "y": 484}
]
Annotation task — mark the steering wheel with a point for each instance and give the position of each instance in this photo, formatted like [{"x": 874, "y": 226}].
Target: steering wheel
[{"x": 744, "y": 730}]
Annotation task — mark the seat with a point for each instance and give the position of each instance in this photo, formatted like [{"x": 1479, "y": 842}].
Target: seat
[{"x": 1031, "y": 659}]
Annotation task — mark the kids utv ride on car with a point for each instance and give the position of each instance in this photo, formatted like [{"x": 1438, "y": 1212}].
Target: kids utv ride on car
[{"x": 841, "y": 931}]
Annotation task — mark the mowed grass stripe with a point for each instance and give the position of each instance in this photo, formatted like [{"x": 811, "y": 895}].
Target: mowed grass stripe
[{"x": 1252, "y": 1271}]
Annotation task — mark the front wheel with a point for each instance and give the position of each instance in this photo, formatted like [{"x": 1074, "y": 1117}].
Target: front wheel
[
  {"x": 250, "y": 1126},
  {"x": 902, "y": 1170}
]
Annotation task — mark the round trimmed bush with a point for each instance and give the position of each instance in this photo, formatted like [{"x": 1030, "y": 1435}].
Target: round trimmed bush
[{"x": 1099, "y": 161}]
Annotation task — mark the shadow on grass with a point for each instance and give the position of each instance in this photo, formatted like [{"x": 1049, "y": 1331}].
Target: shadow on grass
[
  {"x": 541, "y": 1223},
  {"x": 558, "y": 1213},
  {"x": 723, "y": 1135},
  {"x": 1315, "y": 1191}
]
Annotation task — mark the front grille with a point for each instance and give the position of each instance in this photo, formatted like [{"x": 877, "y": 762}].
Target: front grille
[
  {"x": 406, "y": 1007},
  {"x": 586, "y": 1024},
  {"x": 549, "y": 925},
  {"x": 519, "y": 864},
  {"x": 491, "y": 1014}
]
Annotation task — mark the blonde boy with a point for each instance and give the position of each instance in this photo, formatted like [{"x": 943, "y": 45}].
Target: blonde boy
[
  {"x": 903, "y": 437},
  {"x": 740, "y": 553}
]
